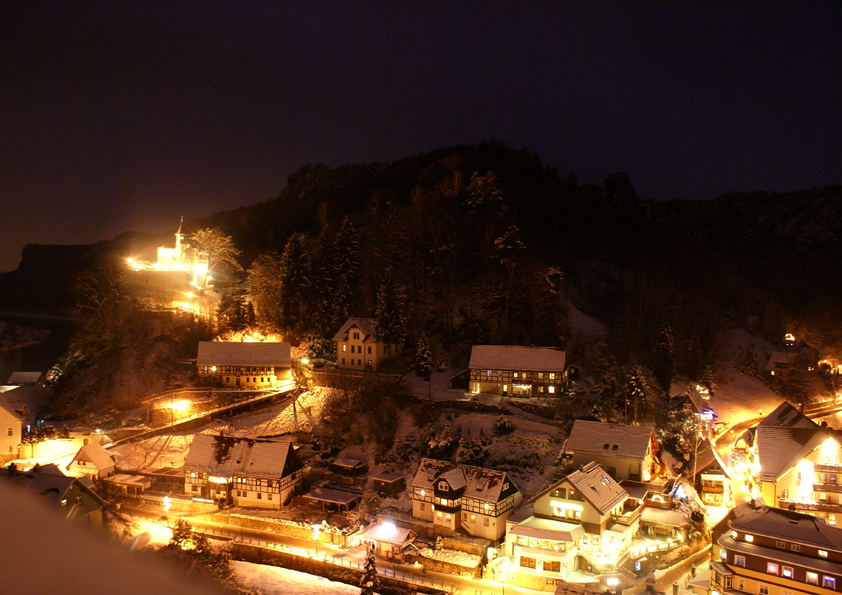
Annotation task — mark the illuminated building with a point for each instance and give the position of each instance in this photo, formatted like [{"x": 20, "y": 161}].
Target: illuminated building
[
  {"x": 625, "y": 452},
  {"x": 242, "y": 472},
  {"x": 357, "y": 347},
  {"x": 92, "y": 461},
  {"x": 769, "y": 551},
  {"x": 512, "y": 370},
  {"x": 244, "y": 364},
  {"x": 475, "y": 500}
]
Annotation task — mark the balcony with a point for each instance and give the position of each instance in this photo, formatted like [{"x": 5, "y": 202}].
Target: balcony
[
  {"x": 627, "y": 518},
  {"x": 803, "y": 505},
  {"x": 827, "y": 467},
  {"x": 827, "y": 487}
]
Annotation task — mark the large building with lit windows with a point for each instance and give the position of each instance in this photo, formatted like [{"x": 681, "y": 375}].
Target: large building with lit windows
[
  {"x": 770, "y": 551},
  {"x": 512, "y": 370},
  {"x": 625, "y": 452},
  {"x": 358, "y": 348},
  {"x": 246, "y": 365},
  {"x": 797, "y": 464},
  {"x": 464, "y": 498}
]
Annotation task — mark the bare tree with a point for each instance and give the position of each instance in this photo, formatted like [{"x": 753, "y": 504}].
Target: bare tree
[{"x": 222, "y": 253}]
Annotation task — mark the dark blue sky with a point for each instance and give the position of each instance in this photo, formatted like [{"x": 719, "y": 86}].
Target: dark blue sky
[{"x": 119, "y": 116}]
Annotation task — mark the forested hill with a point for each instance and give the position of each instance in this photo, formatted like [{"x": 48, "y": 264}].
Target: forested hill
[{"x": 474, "y": 237}]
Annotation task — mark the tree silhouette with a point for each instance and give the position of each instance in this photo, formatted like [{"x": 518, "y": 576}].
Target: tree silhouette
[{"x": 370, "y": 582}]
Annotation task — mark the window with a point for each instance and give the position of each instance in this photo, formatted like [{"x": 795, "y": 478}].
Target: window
[
  {"x": 422, "y": 506},
  {"x": 763, "y": 590},
  {"x": 443, "y": 485},
  {"x": 749, "y": 538},
  {"x": 798, "y": 479},
  {"x": 741, "y": 584},
  {"x": 795, "y": 547},
  {"x": 552, "y": 565},
  {"x": 740, "y": 561},
  {"x": 828, "y": 582},
  {"x": 465, "y": 517},
  {"x": 488, "y": 373},
  {"x": 727, "y": 582},
  {"x": 823, "y": 553},
  {"x": 786, "y": 572},
  {"x": 514, "y": 375},
  {"x": 270, "y": 497},
  {"x": 527, "y": 562},
  {"x": 785, "y": 493},
  {"x": 812, "y": 578},
  {"x": 473, "y": 518},
  {"x": 574, "y": 514},
  {"x": 723, "y": 555},
  {"x": 486, "y": 523},
  {"x": 540, "y": 375},
  {"x": 552, "y": 389},
  {"x": 822, "y": 496},
  {"x": 227, "y": 379},
  {"x": 637, "y": 565},
  {"x": 780, "y": 545},
  {"x": 771, "y": 568},
  {"x": 831, "y": 519},
  {"x": 78, "y": 500},
  {"x": 552, "y": 375},
  {"x": 10, "y": 431},
  {"x": 443, "y": 501},
  {"x": 259, "y": 496},
  {"x": 344, "y": 348},
  {"x": 356, "y": 335},
  {"x": 369, "y": 349},
  {"x": 80, "y": 462}
]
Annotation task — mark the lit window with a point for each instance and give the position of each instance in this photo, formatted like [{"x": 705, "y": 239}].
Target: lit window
[
  {"x": 422, "y": 493},
  {"x": 552, "y": 375},
  {"x": 344, "y": 348},
  {"x": 771, "y": 568},
  {"x": 823, "y": 553},
  {"x": 828, "y": 582},
  {"x": 488, "y": 373},
  {"x": 723, "y": 555},
  {"x": 552, "y": 389},
  {"x": 473, "y": 518},
  {"x": 786, "y": 572},
  {"x": 740, "y": 561},
  {"x": 749, "y": 538},
  {"x": 812, "y": 578},
  {"x": 734, "y": 534}
]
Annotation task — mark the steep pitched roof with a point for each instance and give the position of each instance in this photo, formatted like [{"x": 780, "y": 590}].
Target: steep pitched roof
[
  {"x": 515, "y": 357},
  {"x": 615, "y": 440},
  {"x": 787, "y": 416},
  {"x": 778, "y": 449},
  {"x": 227, "y": 456},
  {"x": 779, "y": 523},
  {"x": 483, "y": 484},
  {"x": 782, "y": 359},
  {"x": 597, "y": 487},
  {"x": 53, "y": 487},
  {"x": 25, "y": 401},
  {"x": 25, "y": 377},
  {"x": 367, "y": 325},
  {"x": 95, "y": 454},
  {"x": 218, "y": 353},
  {"x": 455, "y": 478},
  {"x": 429, "y": 470}
]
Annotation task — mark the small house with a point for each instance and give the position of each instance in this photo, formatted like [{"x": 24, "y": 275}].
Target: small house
[
  {"x": 358, "y": 348},
  {"x": 92, "y": 461},
  {"x": 625, "y": 452},
  {"x": 390, "y": 483},
  {"x": 389, "y": 541},
  {"x": 246, "y": 365}
]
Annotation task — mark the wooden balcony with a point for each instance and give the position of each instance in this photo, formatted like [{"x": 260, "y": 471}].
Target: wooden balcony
[
  {"x": 627, "y": 518},
  {"x": 827, "y": 487},
  {"x": 827, "y": 467}
]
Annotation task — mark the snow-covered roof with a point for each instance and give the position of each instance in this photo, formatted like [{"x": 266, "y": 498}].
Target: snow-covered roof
[
  {"x": 387, "y": 476},
  {"x": 25, "y": 401},
  {"x": 25, "y": 377},
  {"x": 795, "y": 526},
  {"x": 541, "y": 528},
  {"x": 51, "y": 486},
  {"x": 787, "y": 416},
  {"x": 366, "y": 325},
  {"x": 332, "y": 495},
  {"x": 349, "y": 463},
  {"x": 219, "y": 353},
  {"x": 517, "y": 358},
  {"x": 227, "y": 456},
  {"x": 614, "y": 440},
  {"x": 480, "y": 483},
  {"x": 389, "y": 533},
  {"x": 778, "y": 449},
  {"x": 673, "y": 518},
  {"x": 597, "y": 487},
  {"x": 96, "y": 455},
  {"x": 781, "y": 360}
]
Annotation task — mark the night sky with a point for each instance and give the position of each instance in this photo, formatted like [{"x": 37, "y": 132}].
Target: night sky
[{"x": 123, "y": 116}]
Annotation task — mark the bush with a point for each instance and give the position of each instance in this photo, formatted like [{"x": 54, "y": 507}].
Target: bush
[{"x": 503, "y": 425}]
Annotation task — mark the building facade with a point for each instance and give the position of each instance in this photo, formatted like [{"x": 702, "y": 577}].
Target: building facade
[
  {"x": 512, "y": 370},
  {"x": 357, "y": 347},
  {"x": 625, "y": 452},
  {"x": 246, "y": 365},
  {"x": 463, "y": 497},
  {"x": 776, "y": 552}
]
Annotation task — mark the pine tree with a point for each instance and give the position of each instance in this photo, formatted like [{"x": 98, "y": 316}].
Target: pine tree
[
  {"x": 637, "y": 394},
  {"x": 296, "y": 282},
  {"x": 390, "y": 318},
  {"x": 370, "y": 582},
  {"x": 423, "y": 356},
  {"x": 343, "y": 267},
  {"x": 663, "y": 358},
  {"x": 750, "y": 363}
]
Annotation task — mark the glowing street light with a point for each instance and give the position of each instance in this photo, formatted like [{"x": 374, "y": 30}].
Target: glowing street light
[{"x": 167, "y": 503}]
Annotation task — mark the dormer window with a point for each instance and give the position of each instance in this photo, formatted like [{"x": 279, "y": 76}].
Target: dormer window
[
  {"x": 356, "y": 335},
  {"x": 443, "y": 486}
]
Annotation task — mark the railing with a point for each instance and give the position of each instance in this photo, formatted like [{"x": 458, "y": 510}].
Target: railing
[
  {"x": 827, "y": 467},
  {"x": 627, "y": 518},
  {"x": 802, "y": 505},
  {"x": 827, "y": 487}
]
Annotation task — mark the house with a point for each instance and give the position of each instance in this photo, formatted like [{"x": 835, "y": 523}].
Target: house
[
  {"x": 391, "y": 483},
  {"x": 389, "y": 541},
  {"x": 348, "y": 467},
  {"x": 780, "y": 363},
  {"x": 22, "y": 378},
  {"x": 585, "y": 521},
  {"x": 511, "y": 370},
  {"x": 462, "y": 497},
  {"x": 74, "y": 496},
  {"x": 20, "y": 409},
  {"x": 92, "y": 461},
  {"x": 241, "y": 471},
  {"x": 358, "y": 348},
  {"x": 625, "y": 452},
  {"x": 247, "y": 365},
  {"x": 777, "y": 552},
  {"x": 332, "y": 500},
  {"x": 714, "y": 487}
]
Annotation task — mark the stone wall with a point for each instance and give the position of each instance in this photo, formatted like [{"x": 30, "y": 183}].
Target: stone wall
[{"x": 277, "y": 526}]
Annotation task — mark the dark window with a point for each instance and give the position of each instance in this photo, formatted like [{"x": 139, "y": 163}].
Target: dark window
[{"x": 527, "y": 562}]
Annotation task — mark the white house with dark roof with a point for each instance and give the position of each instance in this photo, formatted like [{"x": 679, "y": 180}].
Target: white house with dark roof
[
  {"x": 625, "y": 452},
  {"x": 584, "y": 521},
  {"x": 242, "y": 471},
  {"x": 463, "y": 497},
  {"x": 252, "y": 365},
  {"x": 512, "y": 370},
  {"x": 357, "y": 347},
  {"x": 92, "y": 461}
]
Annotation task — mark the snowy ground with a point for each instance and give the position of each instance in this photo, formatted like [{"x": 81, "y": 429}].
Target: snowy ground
[
  {"x": 13, "y": 336},
  {"x": 153, "y": 453},
  {"x": 272, "y": 580},
  {"x": 452, "y": 557},
  {"x": 583, "y": 325},
  {"x": 278, "y": 419}
]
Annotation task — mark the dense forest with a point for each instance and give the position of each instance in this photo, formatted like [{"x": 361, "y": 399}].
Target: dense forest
[{"x": 485, "y": 243}]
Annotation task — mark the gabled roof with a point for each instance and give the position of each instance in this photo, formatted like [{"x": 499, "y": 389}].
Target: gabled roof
[
  {"x": 389, "y": 533},
  {"x": 483, "y": 484},
  {"x": 779, "y": 357},
  {"x": 25, "y": 377},
  {"x": 801, "y": 528},
  {"x": 597, "y": 487},
  {"x": 25, "y": 401},
  {"x": 517, "y": 358},
  {"x": 95, "y": 454},
  {"x": 53, "y": 487},
  {"x": 778, "y": 449},
  {"x": 787, "y": 416},
  {"x": 614, "y": 440},
  {"x": 368, "y": 326},
  {"x": 218, "y": 353},
  {"x": 227, "y": 456}
]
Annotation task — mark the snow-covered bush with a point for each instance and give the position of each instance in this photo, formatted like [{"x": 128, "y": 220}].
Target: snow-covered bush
[
  {"x": 503, "y": 425},
  {"x": 473, "y": 450}
]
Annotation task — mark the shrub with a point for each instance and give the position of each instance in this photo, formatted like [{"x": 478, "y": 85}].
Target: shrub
[{"x": 503, "y": 425}]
